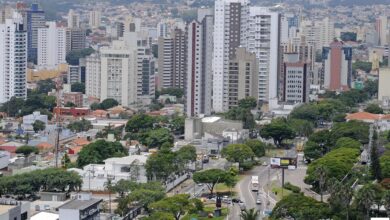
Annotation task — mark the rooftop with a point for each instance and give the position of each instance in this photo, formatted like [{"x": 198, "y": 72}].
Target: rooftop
[
  {"x": 5, "y": 208},
  {"x": 80, "y": 204},
  {"x": 127, "y": 160}
]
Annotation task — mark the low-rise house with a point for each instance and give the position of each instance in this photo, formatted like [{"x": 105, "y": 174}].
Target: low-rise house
[
  {"x": 28, "y": 120},
  {"x": 95, "y": 176},
  {"x": 381, "y": 120},
  {"x": 82, "y": 206}
]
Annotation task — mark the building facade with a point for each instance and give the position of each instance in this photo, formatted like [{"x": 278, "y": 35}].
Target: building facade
[
  {"x": 51, "y": 46},
  {"x": 93, "y": 75},
  {"x": 94, "y": 18},
  {"x": 199, "y": 67},
  {"x": 296, "y": 80},
  {"x": 243, "y": 77},
  {"x": 337, "y": 66},
  {"x": 227, "y": 35},
  {"x": 34, "y": 19},
  {"x": 13, "y": 59}
]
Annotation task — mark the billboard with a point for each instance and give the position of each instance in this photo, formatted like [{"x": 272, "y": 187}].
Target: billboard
[{"x": 283, "y": 162}]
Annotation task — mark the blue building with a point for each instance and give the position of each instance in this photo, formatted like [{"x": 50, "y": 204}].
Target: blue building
[{"x": 35, "y": 18}]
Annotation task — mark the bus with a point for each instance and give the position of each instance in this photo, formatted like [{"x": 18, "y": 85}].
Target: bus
[{"x": 255, "y": 183}]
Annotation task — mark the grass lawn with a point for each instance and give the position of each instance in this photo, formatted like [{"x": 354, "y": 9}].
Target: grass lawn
[
  {"x": 278, "y": 191},
  {"x": 207, "y": 210}
]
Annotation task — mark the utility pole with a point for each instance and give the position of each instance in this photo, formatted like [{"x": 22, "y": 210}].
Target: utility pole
[{"x": 58, "y": 119}]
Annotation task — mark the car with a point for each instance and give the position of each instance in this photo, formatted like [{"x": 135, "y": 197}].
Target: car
[
  {"x": 236, "y": 200},
  {"x": 258, "y": 201},
  {"x": 200, "y": 184},
  {"x": 265, "y": 163},
  {"x": 242, "y": 206}
]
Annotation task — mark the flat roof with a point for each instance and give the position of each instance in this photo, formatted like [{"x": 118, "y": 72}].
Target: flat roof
[
  {"x": 80, "y": 204},
  {"x": 6, "y": 208},
  {"x": 45, "y": 215}
]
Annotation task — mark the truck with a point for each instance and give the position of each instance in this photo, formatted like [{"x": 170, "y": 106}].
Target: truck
[{"x": 255, "y": 183}]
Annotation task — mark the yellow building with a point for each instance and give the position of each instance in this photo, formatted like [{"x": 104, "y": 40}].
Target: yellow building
[{"x": 34, "y": 75}]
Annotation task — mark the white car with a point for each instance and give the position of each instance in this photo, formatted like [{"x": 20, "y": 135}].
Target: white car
[{"x": 258, "y": 201}]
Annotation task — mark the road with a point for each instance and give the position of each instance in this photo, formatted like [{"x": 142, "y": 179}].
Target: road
[{"x": 249, "y": 197}]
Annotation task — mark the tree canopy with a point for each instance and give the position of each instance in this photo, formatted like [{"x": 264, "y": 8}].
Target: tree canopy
[
  {"x": 80, "y": 125},
  {"x": 78, "y": 87},
  {"x": 298, "y": 206},
  {"x": 176, "y": 205},
  {"x": 27, "y": 150},
  {"x": 237, "y": 153},
  {"x": 74, "y": 56},
  {"x": 278, "y": 130},
  {"x": 98, "y": 151},
  {"x": 211, "y": 177},
  {"x": 38, "y": 126},
  {"x": 256, "y": 146},
  {"x": 51, "y": 179},
  {"x": 374, "y": 109}
]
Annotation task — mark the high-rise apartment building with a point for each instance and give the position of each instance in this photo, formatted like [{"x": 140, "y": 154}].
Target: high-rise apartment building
[
  {"x": 13, "y": 58},
  {"x": 75, "y": 39},
  {"x": 382, "y": 29},
  {"x": 227, "y": 35},
  {"x": 337, "y": 66},
  {"x": 118, "y": 73},
  {"x": 318, "y": 33},
  {"x": 199, "y": 66},
  {"x": 51, "y": 46},
  {"x": 261, "y": 35},
  {"x": 94, "y": 18},
  {"x": 162, "y": 29},
  {"x": 243, "y": 77},
  {"x": 172, "y": 59},
  {"x": 93, "y": 75},
  {"x": 295, "y": 79},
  {"x": 34, "y": 18},
  {"x": 73, "y": 19},
  {"x": 6, "y": 12}
]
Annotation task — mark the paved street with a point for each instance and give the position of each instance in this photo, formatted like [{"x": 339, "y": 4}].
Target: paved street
[{"x": 249, "y": 197}]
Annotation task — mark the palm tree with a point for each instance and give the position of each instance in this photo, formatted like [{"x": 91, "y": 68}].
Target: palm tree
[
  {"x": 386, "y": 201},
  {"x": 366, "y": 198},
  {"x": 250, "y": 214}
]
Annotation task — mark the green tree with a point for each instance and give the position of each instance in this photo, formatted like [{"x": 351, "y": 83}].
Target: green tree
[
  {"x": 237, "y": 153},
  {"x": 176, "y": 205},
  {"x": 375, "y": 166},
  {"x": 338, "y": 163},
  {"x": 366, "y": 197},
  {"x": 302, "y": 127},
  {"x": 248, "y": 120},
  {"x": 211, "y": 177},
  {"x": 140, "y": 122},
  {"x": 247, "y": 103},
  {"x": 65, "y": 161},
  {"x": 298, "y": 206},
  {"x": 70, "y": 104},
  {"x": 347, "y": 142},
  {"x": 341, "y": 195},
  {"x": 38, "y": 126},
  {"x": 353, "y": 129},
  {"x": 95, "y": 106},
  {"x": 385, "y": 165},
  {"x": 187, "y": 154},
  {"x": 27, "y": 150},
  {"x": 362, "y": 65},
  {"x": 257, "y": 147},
  {"x": 178, "y": 92},
  {"x": 177, "y": 124},
  {"x": 74, "y": 56},
  {"x": 79, "y": 126},
  {"x": 108, "y": 103},
  {"x": 278, "y": 130},
  {"x": 307, "y": 112},
  {"x": 339, "y": 117},
  {"x": 371, "y": 87},
  {"x": 156, "y": 138},
  {"x": 161, "y": 165},
  {"x": 374, "y": 109},
  {"x": 45, "y": 86},
  {"x": 78, "y": 87},
  {"x": 250, "y": 214},
  {"x": 98, "y": 151},
  {"x": 386, "y": 201}
]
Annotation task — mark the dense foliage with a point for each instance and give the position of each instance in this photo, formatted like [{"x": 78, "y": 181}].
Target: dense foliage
[
  {"x": 97, "y": 152},
  {"x": 52, "y": 179},
  {"x": 80, "y": 125}
]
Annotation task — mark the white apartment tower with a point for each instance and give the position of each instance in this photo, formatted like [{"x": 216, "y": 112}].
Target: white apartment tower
[
  {"x": 13, "y": 59},
  {"x": 227, "y": 32},
  {"x": 93, "y": 76},
  {"x": 261, "y": 35},
  {"x": 199, "y": 67},
  {"x": 73, "y": 19},
  {"x": 94, "y": 18},
  {"x": 118, "y": 73},
  {"x": 51, "y": 46}
]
